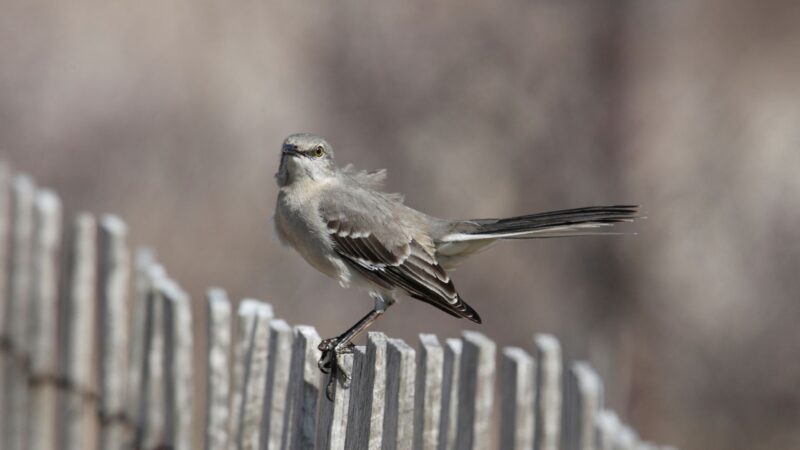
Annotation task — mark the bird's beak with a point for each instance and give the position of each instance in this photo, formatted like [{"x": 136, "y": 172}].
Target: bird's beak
[{"x": 291, "y": 151}]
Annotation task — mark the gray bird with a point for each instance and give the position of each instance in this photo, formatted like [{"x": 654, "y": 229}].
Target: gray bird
[{"x": 345, "y": 227}]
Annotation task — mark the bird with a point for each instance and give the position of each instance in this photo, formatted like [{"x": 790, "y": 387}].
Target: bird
[{"x": 345, "y": 226}]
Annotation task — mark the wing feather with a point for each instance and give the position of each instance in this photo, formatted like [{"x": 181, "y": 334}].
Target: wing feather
[{"x": 395, "y": 263}]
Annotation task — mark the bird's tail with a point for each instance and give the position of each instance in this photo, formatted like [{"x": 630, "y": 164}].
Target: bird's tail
[{"x": 566, "y": 222}]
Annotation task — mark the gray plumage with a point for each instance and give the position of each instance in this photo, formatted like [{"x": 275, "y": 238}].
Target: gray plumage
[{"x": 346, "y": 227}]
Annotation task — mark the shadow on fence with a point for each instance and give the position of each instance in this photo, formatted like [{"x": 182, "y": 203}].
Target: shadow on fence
[{"x": 77, "y": 372}]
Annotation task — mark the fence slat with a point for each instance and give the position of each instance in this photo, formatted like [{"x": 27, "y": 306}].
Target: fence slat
[
  {"x": 218, "y": 377},
  {"x": 43, "y": 315},
  {"x": 152, "y": 424},
  {"x": 476, "y": 391},
  {"x": 146, "y": 270},
  {"x": 279, "y": 364},
  {"x": 428, "y": 393},
  {"x": 607, "y": 427},
  {"x": 450, "y": 382},
  {"x": 23, "y": 192},
  {"x": 304, "y": 389},
  {"x": 250, "y": 372},
  {"x": 332, "y": 425},
  {"x": 398, "y": 424},
  {"x": 626, "y": 439},
  {"x": 517, "y": 394},
  {"x": 582, "y": 402},
  {"x": 365, "y": 422},
  {"x": 245, "y": 326},
  {"x": 548, "y": 392},
  {"x": 112, "y": 325},
  {"x": 177, "y": 366},
  {"x": 78, "y": 425}
]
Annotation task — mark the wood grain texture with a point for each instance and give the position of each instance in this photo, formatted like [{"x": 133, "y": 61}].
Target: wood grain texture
[
  {"x": 476, "y": 391},
  {"x": 23, "y": 192},
  {"x": 78, "y": 420},
  {"x": 251, "y": 409},
  {"x": 42, "y": 321},
  {"x": 114, "y": 262},
  {"x": 450, "y": 387},
  {"x": 218, "y": 375},
  {"x": 398, "y": 423},
  {"x": 274, "y": 422},
  {"x": 178, "y": 374},
  {"x": 548, "y": 392},
  {"x": 304, "y": 389},
  {"x": 428, "y": 392},
  {"x": 582, "y": 403},
  {"x": 517, "y": 394},
  {"x": 365, "y": 423}
]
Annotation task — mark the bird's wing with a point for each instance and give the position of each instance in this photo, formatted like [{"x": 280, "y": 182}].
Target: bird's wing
[{"x": 376, "y": 237}]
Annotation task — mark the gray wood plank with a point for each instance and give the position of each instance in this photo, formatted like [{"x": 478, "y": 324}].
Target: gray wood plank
[
  {"x": 112, "y": 323},
  {"x": 450, "y": 388},
  {"x": 153, "y": 405},
  {"x": 304, "y": 389},
  {"x": 398, "y": 424},
  {"x": 244, "y": 329},
  {"x": 178, "y": 372},
  {"x": 581, "y": 406},
  {"x": 78, "y": 419},
  {"x": 476, "y": 391},
  {"x": 252, "y": 407},
  {"x": 148, "y": 272},
  {"x": 218, "y": 374},
  {"x": 333, "y": 416},
  {"x": 607, "y": 426},
  {"x": 275, "y": 421},
  {"x": 626, "y": 439},
  {"x": 42, "y": 321},
  {"x": 367, "y": 403},
  {"x": 548, "y": 392},
  {"x": 428, "y": 393},
  {"x": 517, "y": 394},
  {"x": 23, "y": 192}
]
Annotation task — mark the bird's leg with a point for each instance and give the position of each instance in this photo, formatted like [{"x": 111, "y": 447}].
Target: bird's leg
[{"x": 333, "y": 347}]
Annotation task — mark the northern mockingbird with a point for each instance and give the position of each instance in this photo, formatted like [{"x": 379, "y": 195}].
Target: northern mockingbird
[{"x": 345, "y": 227}]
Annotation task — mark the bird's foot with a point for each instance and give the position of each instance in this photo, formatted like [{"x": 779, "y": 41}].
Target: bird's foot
[{"x": 330, "y": 363}]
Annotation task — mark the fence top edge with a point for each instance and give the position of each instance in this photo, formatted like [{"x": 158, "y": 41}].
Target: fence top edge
[
  {"x": 517, "y": 354},
  {"x": 253, "y": 307}
]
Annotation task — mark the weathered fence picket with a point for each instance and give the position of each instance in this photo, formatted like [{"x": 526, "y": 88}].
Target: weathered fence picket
[
  {"x": 76, "y": 373},
  {"x": 249, "y": 373},
  {"x": 277, "y": 390},
  {"x": 78, "y": 424},
  {"x": 428, "y": 395},
  {"x": 23, "y": 192},
  {"x": 304, "y": 389},
  {"x": 517, "y": 375},
  {"x": 547, "y": 431},
  {"x": 43, "y": 310},
  {"x": 218, "y": 376},
  {"x": 450, "y": 407},
  {"x": 398, "y": 420},
  {"x": 112, "y": 325},
  {"x": 178, "y": 378}
]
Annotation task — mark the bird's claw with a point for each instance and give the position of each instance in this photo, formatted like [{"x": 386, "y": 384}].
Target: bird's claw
[{"x": 329, "y": 363}]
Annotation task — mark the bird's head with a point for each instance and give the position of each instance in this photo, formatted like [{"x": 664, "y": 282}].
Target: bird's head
[{"x": 305, "y": 156}]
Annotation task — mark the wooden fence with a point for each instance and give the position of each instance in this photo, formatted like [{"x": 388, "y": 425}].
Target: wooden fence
[{"x": 97, "y": 353}]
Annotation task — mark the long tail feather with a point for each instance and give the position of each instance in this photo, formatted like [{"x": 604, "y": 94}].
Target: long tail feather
[{"x": 568, "y": 222}]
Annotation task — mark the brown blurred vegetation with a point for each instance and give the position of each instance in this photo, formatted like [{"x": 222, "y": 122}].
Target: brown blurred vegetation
[{"x": 170, "y": 114}]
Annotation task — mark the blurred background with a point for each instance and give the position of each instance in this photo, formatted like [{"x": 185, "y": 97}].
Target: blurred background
[{"x": 171, "y": 114}]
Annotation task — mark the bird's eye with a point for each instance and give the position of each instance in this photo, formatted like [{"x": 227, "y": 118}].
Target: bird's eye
[{"x": 319, "y": 151}]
